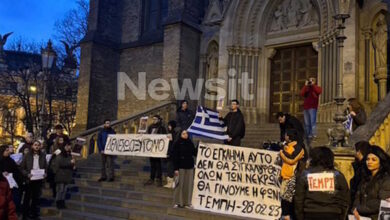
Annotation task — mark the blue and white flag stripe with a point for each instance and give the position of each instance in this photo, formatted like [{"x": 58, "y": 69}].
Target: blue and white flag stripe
[
  {"x": 348, "y": 123},
  {"x": 207, "y": 124}
]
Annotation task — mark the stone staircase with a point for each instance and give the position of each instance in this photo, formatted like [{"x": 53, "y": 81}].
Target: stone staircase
[
  {"x": 126, "y": 198},
  {"x": 256, "y": 135}
]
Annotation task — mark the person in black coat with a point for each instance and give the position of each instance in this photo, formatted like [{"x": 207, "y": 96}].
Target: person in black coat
[
  {"x": 375, "y": 184},
  {"x": 155, "y": 163},
  {"x": 34, "y": 160},
  {"x": 287, "y": 121},
  {"x": 235, "y": 123},
  {"x": 173, "y": 138},
  {"x": 315, "y": 201},
  {"x": 361, "y": 148},
  {"x": 184, "y": 152},
  {"x": 65, "y": 166},
  {"x": 184, "y": 116},
  {"x": 9, "y": 166}
]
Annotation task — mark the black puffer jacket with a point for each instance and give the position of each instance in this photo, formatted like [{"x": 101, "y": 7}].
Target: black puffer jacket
[
  {"x": 183, "y": 154},
  {"x": 370, "y": 194},
  {"x": 307, "y": 201}
]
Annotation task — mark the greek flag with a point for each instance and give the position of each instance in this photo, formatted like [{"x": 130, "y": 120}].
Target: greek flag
[
  {"x": 348, "y": 123},
  {"x": 207, "y": 124}
]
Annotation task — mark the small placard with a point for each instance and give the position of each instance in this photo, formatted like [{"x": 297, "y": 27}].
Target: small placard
[{"x": 323, "y": 182}]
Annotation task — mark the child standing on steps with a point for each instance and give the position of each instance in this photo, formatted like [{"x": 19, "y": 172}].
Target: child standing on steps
[
  {"x": 184, "y": 152},
  {"x": 65, "y": 167}
]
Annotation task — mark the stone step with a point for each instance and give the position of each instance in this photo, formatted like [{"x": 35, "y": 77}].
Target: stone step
[
  {"x": 163, "y": 197},
  {"x": 68, "y": 214},
  {"x": 202, "y": 215},
  {"x": 118, "y": 189},
  {"x": 117, "y": 212},
  {"x": 136, "y": 203}
]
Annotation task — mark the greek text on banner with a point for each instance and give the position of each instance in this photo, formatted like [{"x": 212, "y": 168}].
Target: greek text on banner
[
  {"x": 141, "y": 145},
  {"x": 237, "y": 181}
]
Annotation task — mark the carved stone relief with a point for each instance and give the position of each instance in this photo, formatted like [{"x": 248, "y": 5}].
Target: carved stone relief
[
  {"x": 379, "y": 42},
  {"x": 216, "y": 10},
  {"x": 293, "y": 14}
]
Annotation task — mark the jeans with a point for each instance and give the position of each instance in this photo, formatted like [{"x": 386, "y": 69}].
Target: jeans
[
  {"x": 310, "y": 118},
  {"x": 107, "y": 165},
  {"x": 61, "y": 192}
]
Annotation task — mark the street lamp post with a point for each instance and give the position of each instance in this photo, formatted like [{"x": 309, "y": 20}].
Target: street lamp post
[
  {"x": 338, "y": 135},
  {"x": 48, "y": 58}
]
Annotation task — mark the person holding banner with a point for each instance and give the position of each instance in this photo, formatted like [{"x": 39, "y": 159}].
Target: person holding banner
[
  {"x": 107, "y": 160},
  {"x": 321, "y": 190},
  {"x": 184, "y": 152},
  {"x": 10, "y": 167},
  {"x": 293, "y": 157},
  {"x": 155, "y": 163},
  {"x": 173, "y": 138},
  {"x": 34, "y": 168},
  {"x": 375, "y": 185},
  {"x": 235, "y": 123}
]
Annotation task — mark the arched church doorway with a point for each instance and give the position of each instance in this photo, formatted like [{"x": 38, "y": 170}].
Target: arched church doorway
[{"x": 290, "y": 67}]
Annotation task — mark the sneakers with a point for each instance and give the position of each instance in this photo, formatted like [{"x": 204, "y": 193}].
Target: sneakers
[
  {"x": 188, "y": 207},
  {"x": 149, "y": 182},
  {"x": 169, "y": 183}
]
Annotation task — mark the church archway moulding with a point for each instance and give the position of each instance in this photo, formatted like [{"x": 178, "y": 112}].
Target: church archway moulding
[{"x": 263, "y": 25}]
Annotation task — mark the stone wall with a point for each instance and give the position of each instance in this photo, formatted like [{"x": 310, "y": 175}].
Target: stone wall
[{"x": 132, "y": 61}]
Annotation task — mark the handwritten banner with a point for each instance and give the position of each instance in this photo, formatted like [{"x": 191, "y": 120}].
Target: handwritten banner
[
  {"x": 237, "y": 181},
  {"x": 141, "y": 145}
]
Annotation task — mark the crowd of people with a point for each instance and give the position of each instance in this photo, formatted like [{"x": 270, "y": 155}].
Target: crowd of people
[
  {"x": 23, "y": 177},
  {"x": 369, "y": 185}
]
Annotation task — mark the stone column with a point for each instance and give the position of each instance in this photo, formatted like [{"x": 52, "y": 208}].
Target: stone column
[
  {"x": 99, "y": 64},
  {"x": 367, "y": 40},
  {"x": 181, "y": 43}
]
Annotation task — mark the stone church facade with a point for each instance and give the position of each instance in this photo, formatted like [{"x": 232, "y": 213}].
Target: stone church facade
[{"x": 278, "y": 43}]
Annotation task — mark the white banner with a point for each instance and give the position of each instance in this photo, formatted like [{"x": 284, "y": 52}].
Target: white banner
[
  {"x": 237, "y": 181},
  {"x": 141, "y": 145}
]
